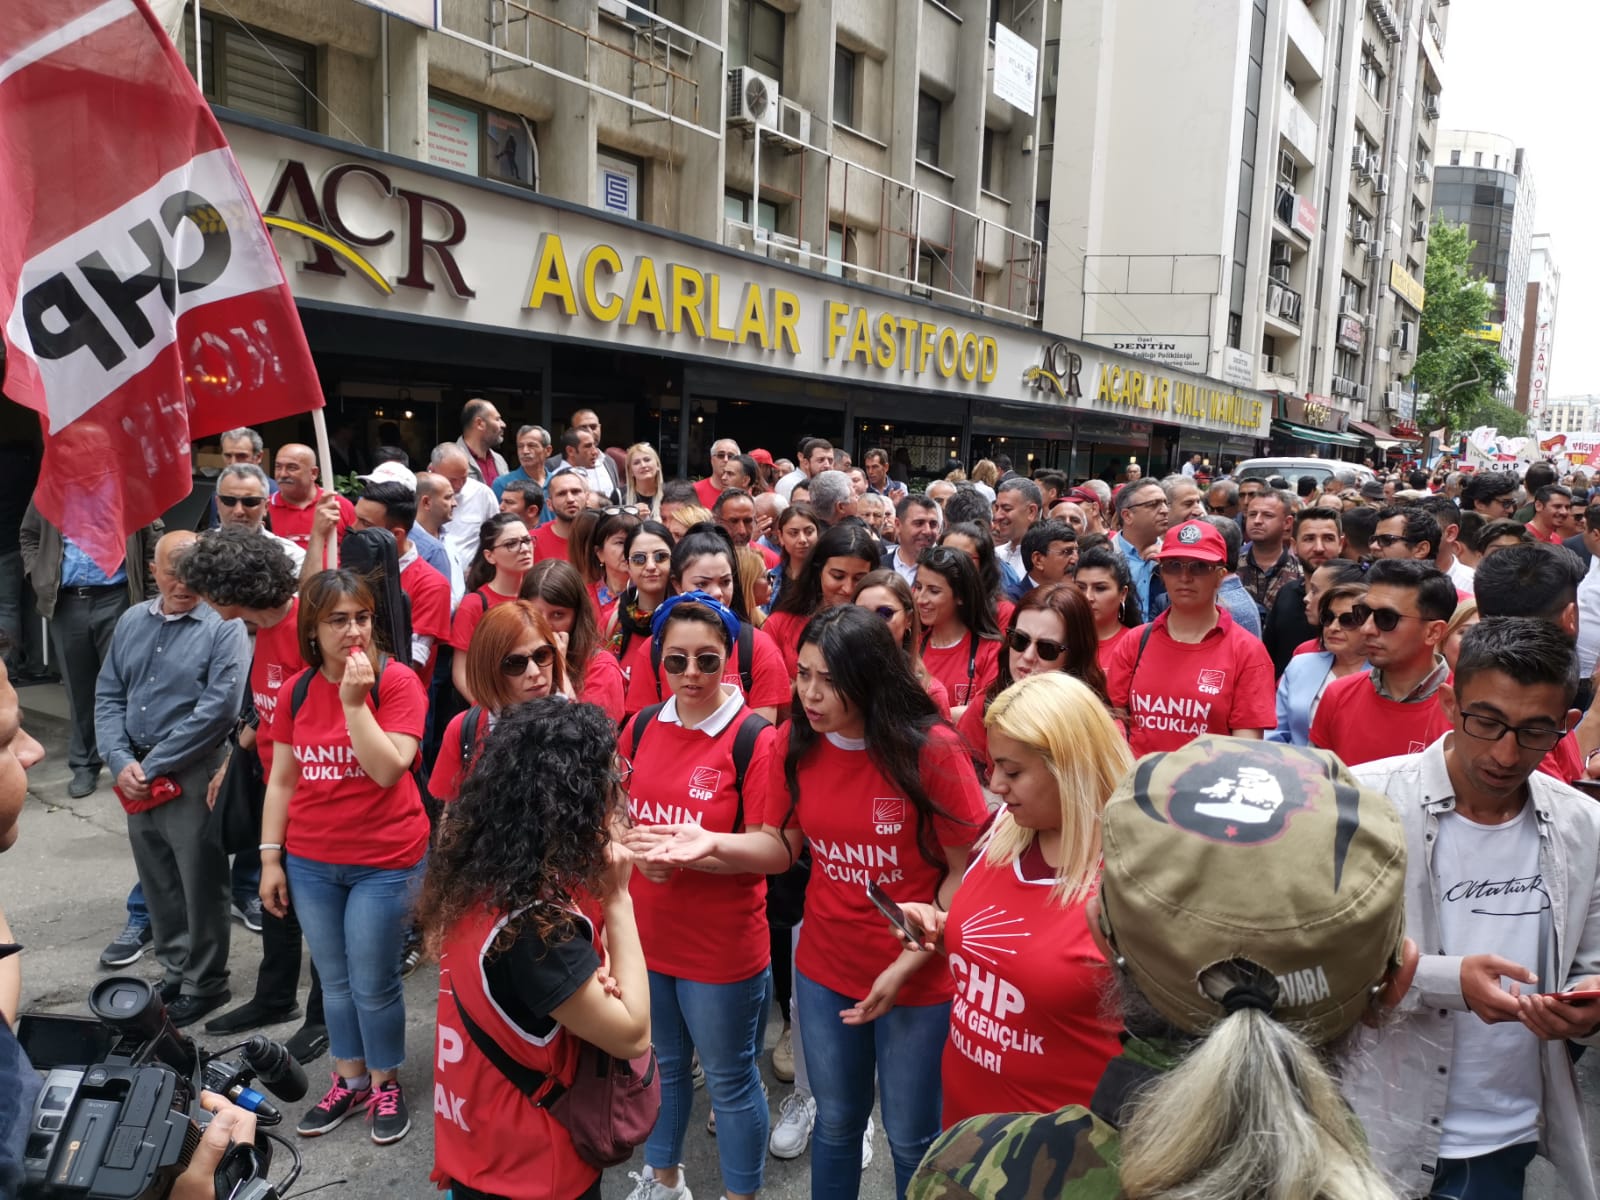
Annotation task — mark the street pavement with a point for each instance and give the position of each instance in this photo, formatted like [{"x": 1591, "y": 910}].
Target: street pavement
[{"x": 64, "y": 884}]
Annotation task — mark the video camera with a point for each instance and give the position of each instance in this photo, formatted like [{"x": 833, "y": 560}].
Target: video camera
[{"x": 118, "y": 1115}]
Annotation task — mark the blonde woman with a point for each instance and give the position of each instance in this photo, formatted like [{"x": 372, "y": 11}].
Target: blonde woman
[
  {"x": 685, "y": 517},
  {"x": 1015, "y": 930},
  {"x": 644, "y": 478}
]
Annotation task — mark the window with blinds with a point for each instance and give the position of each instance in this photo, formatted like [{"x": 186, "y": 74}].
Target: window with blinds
[{"x": 258, "y": 73}]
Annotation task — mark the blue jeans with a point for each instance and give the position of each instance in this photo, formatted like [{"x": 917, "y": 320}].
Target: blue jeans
[
  {"x": 726, "y": 1022},
  {"x": 1497, "y": 1176},
  {"x": 354, "y": 920},
  {"x": 138, "y": 910},
  {"x": 903, "y": 1047}
]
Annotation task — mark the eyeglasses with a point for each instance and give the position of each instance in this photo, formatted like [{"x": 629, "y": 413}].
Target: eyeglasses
[
  {"x": 887, "y": 611},
  {"x": 513, "y": 665},
  {"x": 1218, "y": 510},
  {"x": 1382, "y": 541},
  {"x": 643, "y": 558},
  {"x": 1349, "y": 619},
  {"x": 618, "y": 510},
  {"x": 1384, "y": 618},
  {"x": 678, "y": 664},
  {"x": 1508, "y": 503},
  {"x": 1158, "y": 503},
  {"x": 339, "y": 622},
  {"x": 723, "y": 455},
  {"x": 521, "y": 543},
  {"x": 624, "y": 770},
  {"x": 1529, "y": 737},
  {"x": 1185, "y": 568},
  {"x": 1020, "y": 642},
  {"x": 247, "y": 501}
]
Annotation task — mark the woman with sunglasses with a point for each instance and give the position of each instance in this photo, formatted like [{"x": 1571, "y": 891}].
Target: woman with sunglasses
[
  {"x": 1051, "y": 630},
  {"x": 1058, "y": 757},
  {"x": 1191, "y": 671},
  {"x": 882, "y": 790},
  {"x": 1329, "y": 575},
  {"x": 1343, "y": 652},
  {"x": 799, "y": 526},
  {"x": 343, "y": 822},
  {"x": 648, "y": 553},
  {"x": 1103, "y": 578},
  {"x": 524, "y": 882},
  {"x": 886, "y": 593},
  {"x": 503, "y": 560},
  {"x": 513, "y": 658},
  {"x": 556, "y": 591},
  {"x": 644, "y": 480},
  {"x": 605, "y": 566},
  {"x": 961, "y": 636},
  {"x": 842, "y": 557},
  {"x": 977, "y": 543},
  {"x": 703, "y": 757}
]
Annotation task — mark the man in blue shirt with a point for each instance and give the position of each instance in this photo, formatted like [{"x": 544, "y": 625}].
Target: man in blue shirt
[
  {"x": 166, "y": 699},
  {"x": 1142, "y": 517}
]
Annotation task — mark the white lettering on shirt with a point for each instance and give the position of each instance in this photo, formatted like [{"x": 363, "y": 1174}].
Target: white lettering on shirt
[
  {"x": 645, "y": 813},
  {"x": 858, "y": 863},
  {"x": 327, "y": 764}
]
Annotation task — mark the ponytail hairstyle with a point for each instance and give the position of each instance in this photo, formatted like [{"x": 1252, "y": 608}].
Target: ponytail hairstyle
[
  {"x": 1251, "y": 1110},
  {"x": 482, "y": 571},
  {"x": 1082, "y": 659},
  {"x": 873, "y": 677},
  {"x": 558, "y": 583},
  {"x": 802, "y": 595},
  {"x": 706, "y": 538}
]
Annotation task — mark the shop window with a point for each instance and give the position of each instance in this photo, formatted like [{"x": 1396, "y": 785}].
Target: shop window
[
  {"x": 481, "y": 141},
  {"x": 736, "y": 207},
  {"x": 256, "y": 72},
  {"x": 755, "y": 37},
  {"x": 930, "y": 116},
  {"x": 844, "y": 86}
]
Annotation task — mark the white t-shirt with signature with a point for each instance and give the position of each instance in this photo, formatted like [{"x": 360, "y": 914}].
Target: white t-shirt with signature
[{"x": 1492, "y": 900}]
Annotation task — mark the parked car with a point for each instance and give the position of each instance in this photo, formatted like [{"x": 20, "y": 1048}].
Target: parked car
[{"x": 1295, "y": 469}]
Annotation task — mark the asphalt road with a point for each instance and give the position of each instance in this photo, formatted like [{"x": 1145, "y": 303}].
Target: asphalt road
[{"x": 63, "y": 887}]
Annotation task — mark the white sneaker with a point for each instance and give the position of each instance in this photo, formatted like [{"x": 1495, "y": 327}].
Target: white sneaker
[
  {"x": 866, "y": 1146},
  {"x": 791, "y": 1132},
  {"x": 646, "y": 1187}
]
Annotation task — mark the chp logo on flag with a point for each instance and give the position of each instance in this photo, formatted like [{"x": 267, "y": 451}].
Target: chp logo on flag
[
  {"x": 141, "y": 298},
  {"x": 703, "y": 783},
  {"x": 888, "y": 814},
  {"x": 1211, "y": 681}
]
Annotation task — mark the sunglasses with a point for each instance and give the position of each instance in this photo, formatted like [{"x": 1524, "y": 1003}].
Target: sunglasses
[
  {"x": 1384, "y": 618},
  {"x": 643, "y": 558},
  {"x": 678, "y": 664},
  {"x": 1185, "y": 568},
  {"x": 618, "y": 510},
  {"x": 521, "y": 543},
  {"x": 1349, "y": 619},
  {"x": 1382, "y": 541},
  {"x": 235, "y": 501},
  {"x": 1020, "y": 642},
  {"x": 513, "y": 665}
]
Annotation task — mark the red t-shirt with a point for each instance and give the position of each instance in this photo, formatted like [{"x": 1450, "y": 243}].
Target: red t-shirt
[
  {"x": 295, "y": 523},
  {"x": 699, "y": 926},
  {"x": 708, "y": 491},
  {"x": 940, "y": 695},
  {"x": 640, "y": 690},
  {"x": 1106, "y": 649},
  {"x": 547, "y": 543},
  {"x": 603, "y": 606},
  {"x": 1003, "y": 611},
  {"x": 337, "y": 813},
  {"x": 277, "y": 660},
  {"x": 487, "y": 467},
  {"x": 602, "y": 684},
  {"x": 785, "y": 629},
  {"x": 430, "y": 609},
  {"x": 1359, "y": 725},
  {"x": 470, "y": 611},
  {"x": 1219, "y": 684},
  {"x": 769, "y": 557},
  {"x": 1565, "y": 762},
  {"x": 862, "y": 829},
  {"x": 976, "y": 735},
  {"x": 771, "y": 685},
  {"x": 444, "y": 781},
  {"x": 950, "y": 667},
  {"x": 1027, "y": 1027}
]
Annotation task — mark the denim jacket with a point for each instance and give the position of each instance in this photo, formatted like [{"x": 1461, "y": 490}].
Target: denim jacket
[{"x": 1397, "y": 1077}]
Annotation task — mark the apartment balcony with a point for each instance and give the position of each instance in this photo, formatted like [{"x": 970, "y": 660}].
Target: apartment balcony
[
  {"x": 1307, "y": 44},
  {"x": 1283, "y": 309},
  {"x": 1298, "y": 129}
]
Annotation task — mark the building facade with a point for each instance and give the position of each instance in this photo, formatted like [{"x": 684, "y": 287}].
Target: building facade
[
  {"x": 1569, "y": 414},
  {"x": 1485, "y": 184},
  {"x": 1538, "y": 328}
]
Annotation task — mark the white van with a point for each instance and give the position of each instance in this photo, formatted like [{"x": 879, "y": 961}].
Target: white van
[{"x": 1295, "y": 469}]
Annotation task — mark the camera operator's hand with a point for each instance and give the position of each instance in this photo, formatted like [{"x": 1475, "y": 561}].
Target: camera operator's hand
[{"x": 230, "y": 1124}]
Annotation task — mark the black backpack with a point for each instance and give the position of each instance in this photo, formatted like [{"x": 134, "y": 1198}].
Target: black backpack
[
  {"x": 371, "y": 553},
  {"x": 744, "y": 747}
]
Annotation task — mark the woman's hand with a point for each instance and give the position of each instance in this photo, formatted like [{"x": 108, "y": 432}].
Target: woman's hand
[
  {"x": 356, "y": 682},
  {"x": 274, "y": 888},
  {"x": 880, "y": 999},
  {"x": 619, "y": 866},
  {"x": 673, "y": 845},
  {"x": 927, "y": 917}
]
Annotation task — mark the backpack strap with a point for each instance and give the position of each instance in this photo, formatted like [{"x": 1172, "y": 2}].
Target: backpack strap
[
  {"x": 482, "y": 599},
  {"x": 655, "y": 666},
  {"x": 469, "y": 733},
  {"x": 297, "y": 695},
  {"x": 524, "y": 1078},
  {"x": 744, "y": 748},
  {"x": 746, "y": 643},
  {"x": 641, "y": 722},
  {"x": 1144, "y": 640}
]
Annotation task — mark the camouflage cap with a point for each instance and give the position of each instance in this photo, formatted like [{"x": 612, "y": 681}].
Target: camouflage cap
[{"x": 1259, "y": 855}]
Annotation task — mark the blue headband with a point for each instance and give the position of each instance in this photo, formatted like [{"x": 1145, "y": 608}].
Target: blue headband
[{"x": 729, "y": 618}]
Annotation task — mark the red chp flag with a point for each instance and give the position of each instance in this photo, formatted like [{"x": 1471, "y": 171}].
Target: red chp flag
[{"x": 142, "y": 298}]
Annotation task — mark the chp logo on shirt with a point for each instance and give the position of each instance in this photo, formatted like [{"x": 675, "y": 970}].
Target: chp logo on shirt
[
  {"x": 274, "y": 675},
  {"x": 1211, "y": 681},
  {"x": 704, "y": 783},
  {"x": 888, "y": 814}
]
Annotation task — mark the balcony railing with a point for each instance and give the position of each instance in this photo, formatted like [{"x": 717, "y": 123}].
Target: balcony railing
[{"x": 1283, "y": 302}]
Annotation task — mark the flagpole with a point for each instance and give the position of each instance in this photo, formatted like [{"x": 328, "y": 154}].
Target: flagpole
[{"x": 319, "y": 424}]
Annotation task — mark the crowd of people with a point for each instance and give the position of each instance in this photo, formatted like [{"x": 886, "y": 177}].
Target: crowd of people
[{"x": 1128, "y": 811}]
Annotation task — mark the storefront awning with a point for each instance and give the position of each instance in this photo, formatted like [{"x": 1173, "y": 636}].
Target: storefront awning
[
  {"x": 1322, "y": 437},
  {"x": 1381, "y": 438}
]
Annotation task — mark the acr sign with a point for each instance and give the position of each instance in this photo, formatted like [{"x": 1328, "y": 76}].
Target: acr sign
[{"x": 322, "y": 217}]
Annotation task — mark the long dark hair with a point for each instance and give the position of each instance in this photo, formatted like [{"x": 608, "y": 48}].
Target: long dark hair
[
  {"x": 974, "y": 606},
  {"x": 988, "y": 564},
  {"x": 609, "y": 524},
  {"x": 528, "y": 835},
  {"x": 873, "y": 676},
  {"x": 802, "y": 595},
  {"x": 489, "y": 532},
  {"x": 802, "y": 509},
  {"x": 557, "y": 582},
  {"x": 701, "y": 540},
  {"x": 1082, "y": 643},
  {"x": 1108, "y": 559}
]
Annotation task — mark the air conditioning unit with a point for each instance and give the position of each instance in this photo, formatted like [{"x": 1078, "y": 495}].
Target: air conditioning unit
[
  {"x": 1358, "y": 158},
  {"x": 1279, "y": 272},
  {"x": 1342, "y": 386},
  {"x": 1274, "y": 300},
  {"x": 752, "y": 98},
  {"x": 1364, "y": 174},
  {"x": 781, "y": 248},
  {"x": 1374, "y": 251},
  {"x": 795, "y": 121},
  {"x": 1272, "y": 365},
  {"x": 1419, "y": 232},
  {"x": 1430, "y": 106},
  {"x": 1359, "y": 393},
  {"x": 1380, "y": 184},
  {"x": 1281, "y": 255},
  {"x": 1424, "y": 172}
]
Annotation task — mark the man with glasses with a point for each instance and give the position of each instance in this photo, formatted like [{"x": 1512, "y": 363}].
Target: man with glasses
[
  {"x": 1142, "y": 517},
  {"x": 240, "y": 447},
  {"x": 1490, "y": 493},
  {"x": 723, "y": 453},
  {"x": 1222, "y": 499},
  {"x": 1405, "y": 532},
  {"x": 1472, "y": 1077},
  {"x": 241, "y": 501},
  {"x": 1192, "y": 670},
  {"x": 1050, "y": 549},
  {"x": 1394, "y": 709}
]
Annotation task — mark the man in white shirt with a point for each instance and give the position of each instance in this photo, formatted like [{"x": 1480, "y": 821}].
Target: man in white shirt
[
  {"x": 1017, "y": 504},
  {"x": 581, "y": 453},
  {"x": 816, "y": 456},
  {"x": 241, "y": 499},
  {"x": 1589, "y": 598},
  {"x": 918, "y": 520},
  {"x": 475, "y": 503},
  {"x": 595, "y": 464}
]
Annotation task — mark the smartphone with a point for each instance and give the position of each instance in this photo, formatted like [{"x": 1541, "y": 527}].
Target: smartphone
[
  {"x": 1583, "y": 997},
  {"x": 897, "y": 917}
]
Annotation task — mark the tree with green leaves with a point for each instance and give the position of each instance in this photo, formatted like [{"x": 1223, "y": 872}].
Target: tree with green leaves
[
  {"x": 1495, "y": 413},
  {"x": 1459, "y": 372}
]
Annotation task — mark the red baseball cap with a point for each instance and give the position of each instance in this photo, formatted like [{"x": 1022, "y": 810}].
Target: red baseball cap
[
  {"x": 1196, "y": 540},
  {"x": 1080, "y": 495},
  {"x": 762, "y": 457}
]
